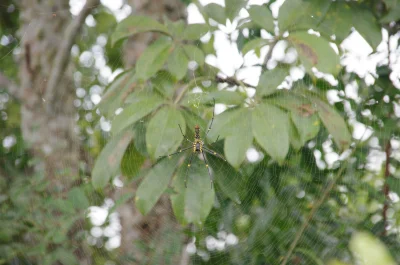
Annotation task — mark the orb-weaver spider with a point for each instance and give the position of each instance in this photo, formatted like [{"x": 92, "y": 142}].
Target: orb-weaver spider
[{"x": 198, "y": 148}]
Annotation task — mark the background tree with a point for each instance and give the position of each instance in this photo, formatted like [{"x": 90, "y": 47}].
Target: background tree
[{"x": 314, "y": 186}]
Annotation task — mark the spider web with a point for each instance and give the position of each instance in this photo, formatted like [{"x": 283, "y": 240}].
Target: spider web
[{"x": 203, "y": 245}]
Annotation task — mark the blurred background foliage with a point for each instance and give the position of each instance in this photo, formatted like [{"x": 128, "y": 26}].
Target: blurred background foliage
[{"x": 295, "y": 204}]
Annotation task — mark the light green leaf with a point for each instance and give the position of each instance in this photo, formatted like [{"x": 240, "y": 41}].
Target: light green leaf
[
  {"x": 301, "y": 14},
  {"x": 294, "y": 102},
  {"x": 226, "y": 122},
  {"x": 163, "y": 135},
  {"x": 254, "y": 44},
  {"x": 220, "y": 96},
  {"x": 262, "y": 16},
  {"x": 194, "y": 53},
  {"x": 132, "y": 161},
  {"x": 176, "y": 28},
  {"x": 153, "y": 58},
  {"x": 239, "y": 141},
  {"x": 154, "y": 184},
  {"x": 270, "y": 80},
  {"x": 195, "y": 31},
  {"x": 270, "y": 127},
  {"x": 116, "y": 93},
  {"x": 215, "y": 12},
  {"x": 78, "y": 198},
  {"x": 369, "y": 250},
  {"x": 232, "y": 8},
  {"x": 294, "y": 135},
  {"x": 178, "y": 63},
  {"x": 392, "y": 16},
  {"x": 307, "y": 126},
  {"x": 333, "y": 122},
  {"x": 135, "y": 112},
  {"x": 311, "y": 255},
  {"x": 192, "y": 119},
  {"x": 178, "y": 199},
  {"x": 108, "y": 162},
  {"x": 65, "y": 256},
  {"x": 136, "y": 24},
  {"x": 316, "y": 52}
]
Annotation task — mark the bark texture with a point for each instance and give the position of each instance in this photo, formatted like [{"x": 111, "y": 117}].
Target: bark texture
[{"x": 159, "y": 228}]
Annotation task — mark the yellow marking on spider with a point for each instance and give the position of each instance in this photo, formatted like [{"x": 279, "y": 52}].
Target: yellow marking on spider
[
  {"x": 215, "y": 153},
  {"x": 188, "y": 165},
  {"x": 206, "y": 165}
]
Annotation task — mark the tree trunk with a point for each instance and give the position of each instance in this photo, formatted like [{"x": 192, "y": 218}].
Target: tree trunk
[
  {"x": 48, "y": 115},
  {"x": 159, "y": 228}
]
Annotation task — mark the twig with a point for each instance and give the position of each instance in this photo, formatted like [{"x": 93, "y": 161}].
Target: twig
[
  {"x": 269, "y": 53},
  {"x": 232, "y": 81},
  {"x": 10, "y": 86},
  {"x": 386, "y": 190},
  {"x": 63, "y": 54}
]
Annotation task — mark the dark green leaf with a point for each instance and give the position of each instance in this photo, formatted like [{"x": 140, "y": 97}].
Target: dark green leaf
[
  {"x": 163, "y": 135},
  {"x": 135, "y": 112},
  {"x": 154, "y": 184},
  {"x": 66, "y": 257},
  {"x": 262, "y": 16},
  {"x": 195, "y": 31},
  {"x": 316, "y": 52},
  {"x": 178, "y": 63},
  {"x": 232, "y": 8},
  {"x": 270, "y": 80},
  {"x": 194, "y": 53},
  {"x": 78, "y": 198},
  {"x": 136, "y": 24},
  {"x": 165, "y": 83},
  {"x": 215, "y": 12},
  {"x": 108, "y": 162},
  {"x": 367, "y": 25},
  {"x": 132, "y": 161},
  {"x": 333, "y": 122},
  {"x": 392, "y": 16},
  {"x": 270, "y": 127},
  {"x": 394, "y": 184},
  {"x": 153, "y": 58},
  {"x": 105, "y": 22},
  {"x": 254, "y": 44}
]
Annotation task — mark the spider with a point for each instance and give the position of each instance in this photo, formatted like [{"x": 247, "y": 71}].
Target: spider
[{"x": 198, "y": 148}]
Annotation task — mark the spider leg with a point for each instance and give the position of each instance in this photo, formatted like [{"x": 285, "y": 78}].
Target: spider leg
[
  {"x": 208, "y": 168},
  {"x": 187, "y": 171},
  {"x": 181, "y": 150},
  {"x": 213, "y": 153},
  {"x": 215, "y": 141},
  {"x": 184, "y": 136},
  {"x": 209, "y": 128}
]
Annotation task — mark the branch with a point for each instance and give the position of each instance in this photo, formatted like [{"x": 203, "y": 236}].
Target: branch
[
  {"x": 232, "y": 81},
  {"x": 10, "y": 86},
  {"x": 63, "y": 54}
]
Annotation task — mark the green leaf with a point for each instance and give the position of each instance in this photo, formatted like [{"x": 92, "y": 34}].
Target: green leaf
[
  {"x": 369, "y": 250},
  {"x": 194, "y": 53},
  {"x": 178, "y": 63},
  {"x": 120, "y": 201},
  {"x": 78, "y": 198},
  {"x": 254, "y": 44},
  {"x": 65, "y": 256},
  {"x": 136, "y": 24},
  {"x": 154, "y": 184},
  {"x": 153, "y": 58},
  {"x": 316, "y": 52},
  {"x": 105, "y": 22},
  {"x": 192, "y": 119},
  {"x": 270, "y": 127},
  {"x": 262, "y": 16},
  {"x": 294, "y": 102},
  {"x": 163, "y": 135},
  {"x": 394, "y": 184},
  {"x": 176, "y": 27},
  {"x": 215, "y": 12},
  {"x": 132, "y": 161},
  {"x": 311, "y": 255},
  {"x": 392, "y": 16},
  {"x": 229, "y": 184},
  {"x": 301, "y": 14},
  {"x": 307, "y": 126},
  {"x": 116, "y": 93},
  {"x": 192, "y": 204},
  {"x": 367, "y": 25},
  {"x": 109, "y": 160},
  {"x": 226, "y": 122},
  {"x": 270, "y": 80},
  {"x": 195, "y": 31},
  {"x": 135, "y": 112},
  {"x": 220, "y": 96},
  {"x": 239, "y": 141},
  {"x": 232, "y": 8},
  {"x": 333, "y": 122}
]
